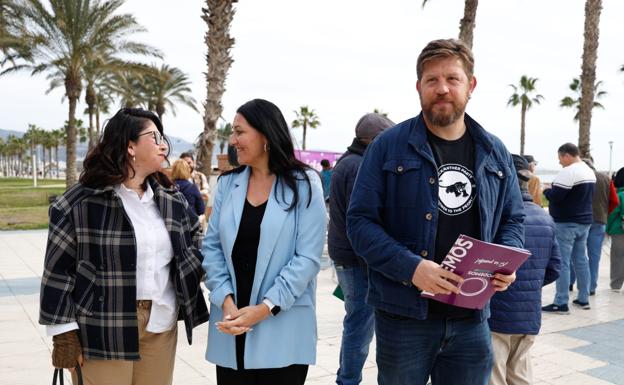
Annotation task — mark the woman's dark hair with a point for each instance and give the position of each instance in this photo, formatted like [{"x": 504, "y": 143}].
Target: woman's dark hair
[
  {"x": 108, "y": 163},
  {"x": 618, "y": 178},
  {"x": 267, "y": 119}
]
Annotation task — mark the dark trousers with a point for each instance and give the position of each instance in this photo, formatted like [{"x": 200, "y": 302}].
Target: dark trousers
[
  {"x": 290, "y": 375},
  {"x": 452, "y": 351}
]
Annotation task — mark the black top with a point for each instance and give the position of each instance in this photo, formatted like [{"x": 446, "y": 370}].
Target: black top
[
  {"x": 457, "y": 204},
  {"x": 244, "y": 257}
]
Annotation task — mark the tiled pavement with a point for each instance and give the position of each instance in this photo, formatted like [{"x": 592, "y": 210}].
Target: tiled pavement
[{"x": 582, "y": 348}]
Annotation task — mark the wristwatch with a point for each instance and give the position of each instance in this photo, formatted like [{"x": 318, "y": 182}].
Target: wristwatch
[{"x": 273, "y": 308}]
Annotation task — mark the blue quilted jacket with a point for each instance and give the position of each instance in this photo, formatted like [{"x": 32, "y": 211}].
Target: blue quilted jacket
[{"x": 518, "y": 309}]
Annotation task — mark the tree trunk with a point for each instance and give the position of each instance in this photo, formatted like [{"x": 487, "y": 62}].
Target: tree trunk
[
  {"x": 70, "y": 145},
  {"x": 218, "y": 15},
  {"x": 467, "y": 24},
  {"x": 522, "y": 125},
  {"x": 72, "y": 90},
  {"x": 305, "y": 132},
  {"x": 97, "y": 122},
  {"x": 588, "y": 73},
  {"x": 90, "y": 98},
  {"x": 160, "y": 110},
  {"x": 58, "y": 167}
]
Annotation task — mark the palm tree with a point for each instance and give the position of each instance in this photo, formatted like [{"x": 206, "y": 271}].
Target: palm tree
[
  {"x": 523, "y": 95},
  {"x": 12, "y": 47},
  {"x": 17, "y": 149},
  {"x": 218, "y": 15},
  {"x": 588, "y": 73},
  {"x": 306, "y": 117},
  {"x": 57, "y": 139},
  {"x": 468, "y": 22},
  {"x": 33, "y": 138},
  {"x": 166, "y": 85},
  {"x": 380, "y": 112},
  {"x": 223, "y": 135},
  {"x": 67, "y": 35},
  {"x": 575, "y": 100}
]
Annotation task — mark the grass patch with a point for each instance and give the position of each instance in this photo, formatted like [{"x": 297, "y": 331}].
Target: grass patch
[
  {"x": 23, "y": 207},
  {"x": 24, "y": 218}
]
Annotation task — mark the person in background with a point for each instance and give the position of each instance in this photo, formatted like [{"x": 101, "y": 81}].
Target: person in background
[
  {"x": 181, "y": 173},
  {"x": 122, "y": 262},
  {"x": 516, "y": 318},
  {"x": 570, "y": 205},
  {"x": 326, "y": 175},
  {"x": 197, "y": 177},
  {"x": 359, "y": 321},
  {"x": 601, "y": 203},
  {"x": 535, "y": 185},
  {"x": 421, "y": 184},
  {"x": 615, "y": 228},
  {"x": 262, "y": 255}
]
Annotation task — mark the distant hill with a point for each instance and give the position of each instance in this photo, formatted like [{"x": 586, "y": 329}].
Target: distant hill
[{"x": 178, "y": 145}]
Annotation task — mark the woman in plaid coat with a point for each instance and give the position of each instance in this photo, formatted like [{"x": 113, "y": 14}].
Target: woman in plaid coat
[{"x": 122, "y": 262}]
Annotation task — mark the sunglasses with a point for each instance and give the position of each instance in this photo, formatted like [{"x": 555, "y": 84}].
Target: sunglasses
[{"x": 158, "y": 138}]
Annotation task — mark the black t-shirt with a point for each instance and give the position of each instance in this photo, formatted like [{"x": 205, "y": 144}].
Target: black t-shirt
[
  {"x": 458, "y": 210},
  {"x": 244, "y": 258}
]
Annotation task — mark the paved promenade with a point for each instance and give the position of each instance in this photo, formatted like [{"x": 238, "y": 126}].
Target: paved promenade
[{"x": 584, "y": 348}]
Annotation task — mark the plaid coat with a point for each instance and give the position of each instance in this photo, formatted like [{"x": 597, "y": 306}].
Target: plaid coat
[{"x": 90, "y": 268}]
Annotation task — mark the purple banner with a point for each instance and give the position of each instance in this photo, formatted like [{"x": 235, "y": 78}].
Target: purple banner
[{"x": 313, "y": 158}]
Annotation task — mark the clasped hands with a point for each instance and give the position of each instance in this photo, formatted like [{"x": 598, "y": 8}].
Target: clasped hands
[
  {"x": 433, "y": 278},
  {"x": 238, "y": 321}
]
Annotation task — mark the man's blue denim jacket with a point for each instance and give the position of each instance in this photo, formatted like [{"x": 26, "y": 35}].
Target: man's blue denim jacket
[{"x": 393, "y": 214}]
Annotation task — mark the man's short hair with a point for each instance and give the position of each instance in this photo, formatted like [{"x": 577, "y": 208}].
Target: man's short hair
[
  {"x": 445, "y": 48},
  {"x": 187, "y": 155},
  {"x": 325, "y": 163},
  {"x": 570, "y": 149}
]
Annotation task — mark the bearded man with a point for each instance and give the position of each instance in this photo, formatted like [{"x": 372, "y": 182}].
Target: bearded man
[{"x": 405, "y": 214}]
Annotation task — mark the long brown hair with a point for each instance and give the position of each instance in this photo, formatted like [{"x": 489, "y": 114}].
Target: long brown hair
[{"x": 108, "y": 163}]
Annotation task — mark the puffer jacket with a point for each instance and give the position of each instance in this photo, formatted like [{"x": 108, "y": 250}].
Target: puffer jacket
[
  {"x": 518, "y": 309},
  {"x": 614, "y": 222}
]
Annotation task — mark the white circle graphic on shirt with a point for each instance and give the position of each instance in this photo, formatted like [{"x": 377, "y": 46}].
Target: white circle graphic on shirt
[
  {"x": 457, "y": 190},
  {"x": 473, "y": 286}
]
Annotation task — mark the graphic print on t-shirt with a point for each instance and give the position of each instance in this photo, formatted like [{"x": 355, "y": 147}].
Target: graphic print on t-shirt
[{"x": 457, "y": 189}]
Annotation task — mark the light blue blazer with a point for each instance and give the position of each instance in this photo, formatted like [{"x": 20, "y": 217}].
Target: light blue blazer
[{"x": 291, "y": 244}]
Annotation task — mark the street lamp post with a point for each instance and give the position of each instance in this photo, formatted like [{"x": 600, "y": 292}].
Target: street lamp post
[{"x": 610, "y": 154}]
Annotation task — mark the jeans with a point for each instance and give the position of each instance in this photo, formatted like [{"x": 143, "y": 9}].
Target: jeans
[
  {"x": 358, "y": 324},
  {"x": 572, "y": 238},
  {"x": 594, "y": 249},
  {"x": 451, "y": 351}
]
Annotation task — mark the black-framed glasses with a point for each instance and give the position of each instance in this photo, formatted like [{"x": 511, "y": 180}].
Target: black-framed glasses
[{"x": 158, "y": 138}]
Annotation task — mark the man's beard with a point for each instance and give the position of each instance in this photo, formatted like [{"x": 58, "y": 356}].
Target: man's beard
[{"x": 443, "y": 118}]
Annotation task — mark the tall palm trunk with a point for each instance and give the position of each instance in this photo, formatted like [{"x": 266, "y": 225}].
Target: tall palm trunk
[
  {"x": 90, "y": 99},
  {"x": 468, "y": 22},
  {"x": 218, "y": 15},
  {"x": 160, "y": 110},
  {"x": 588, "y": 72},
  {"x": 305, "y": 134},
  {"x": 72, "y": 89},
  {"x": 97, "y": 122},
  {"x": 522, "y": 126},
  {"x": 58, "y": 169}
]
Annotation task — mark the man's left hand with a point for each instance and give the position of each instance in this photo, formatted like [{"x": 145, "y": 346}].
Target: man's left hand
[{"x": 501, "y": 282}]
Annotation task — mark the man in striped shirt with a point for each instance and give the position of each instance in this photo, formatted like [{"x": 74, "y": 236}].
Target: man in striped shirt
[{"x": 570, "y": 205}]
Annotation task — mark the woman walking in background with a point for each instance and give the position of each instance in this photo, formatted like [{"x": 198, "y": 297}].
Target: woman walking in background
[
  {"x": 615, "y": 228},
  {"x": 262, "y": 254},
  {"x": 122, "y": 262},
  {"x": 181, "y": 175}
]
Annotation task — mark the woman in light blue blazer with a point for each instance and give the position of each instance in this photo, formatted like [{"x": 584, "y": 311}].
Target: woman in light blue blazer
[{"x": 262, "y": 254}]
